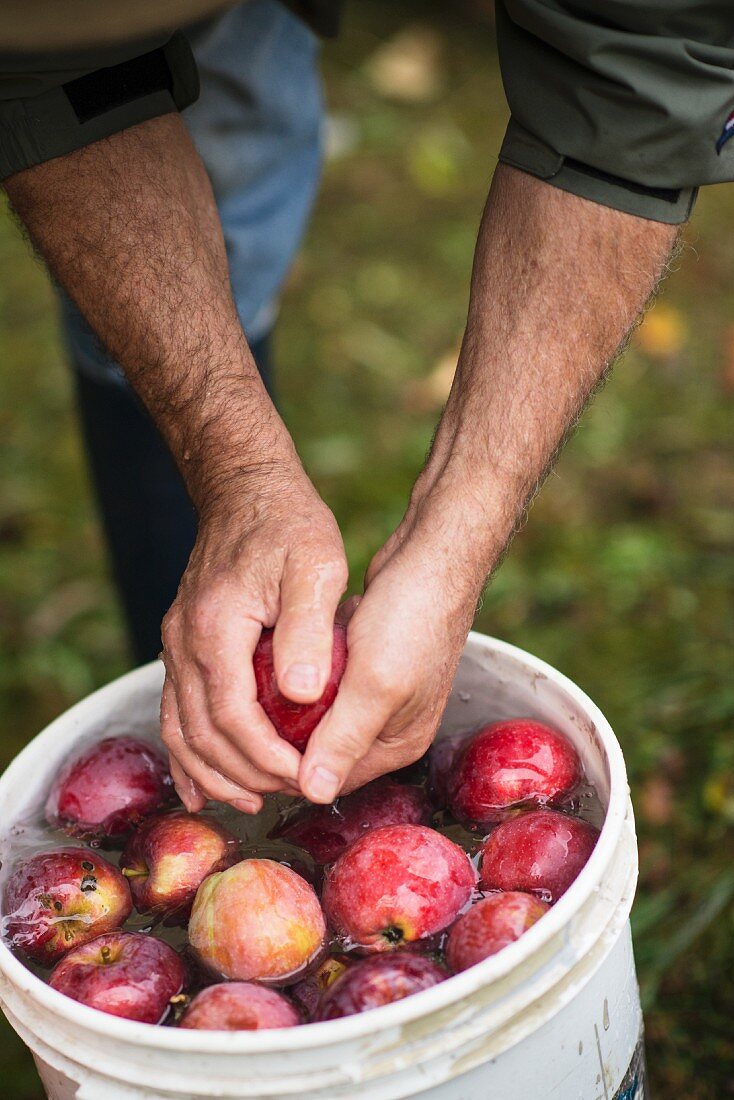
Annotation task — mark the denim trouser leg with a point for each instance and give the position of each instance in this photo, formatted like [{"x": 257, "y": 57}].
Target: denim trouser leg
[{"x": 257, "y": 128}]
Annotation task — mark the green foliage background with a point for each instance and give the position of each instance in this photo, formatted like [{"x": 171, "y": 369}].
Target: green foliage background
[{"x": 623, "y": 576}]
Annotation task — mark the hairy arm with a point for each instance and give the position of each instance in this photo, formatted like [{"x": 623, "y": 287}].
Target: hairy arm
[
  {"x": 558, "y": 284},
  {"x": 130, "y": 229}
]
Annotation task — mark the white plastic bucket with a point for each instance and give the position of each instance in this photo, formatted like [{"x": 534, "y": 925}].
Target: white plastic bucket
[{"x": 555, "y": 1015}]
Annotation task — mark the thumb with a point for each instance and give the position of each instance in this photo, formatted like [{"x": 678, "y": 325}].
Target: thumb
[
  {"x": 344, "y": 735},
  {"x": 302, "y": 642}
]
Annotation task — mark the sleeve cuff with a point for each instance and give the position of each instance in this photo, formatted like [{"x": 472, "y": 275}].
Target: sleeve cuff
[
  {"x": 71, "y": 116},
  {"x": 522, "y": 149}
]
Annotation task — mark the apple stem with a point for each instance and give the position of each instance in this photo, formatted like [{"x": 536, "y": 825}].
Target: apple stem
[{"x": 130, "y": 872}]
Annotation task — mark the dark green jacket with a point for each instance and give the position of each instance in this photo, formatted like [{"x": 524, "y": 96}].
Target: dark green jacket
[{"x": 629, "y": 103}]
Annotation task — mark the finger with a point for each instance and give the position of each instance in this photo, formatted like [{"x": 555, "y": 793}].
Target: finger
[
  {"x": 222, "y": 644},
  {"x": 192, "y": 798},
  {"x": 210, "y": 782},
  {"x": 361, "y": 711},
  {"x": 206, "y": 781},
  {"x": 304, "y": 631},
  {"x": 216, "y": 750}
]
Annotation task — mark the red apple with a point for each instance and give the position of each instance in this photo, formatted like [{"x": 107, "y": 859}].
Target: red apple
[
  {"x": 540, "y": 852},
  {"x": 108, "y": 788},
  {"x": 325, "y": 832},
  {"x": 258, "y": 919},
  {"x": 397, "y": 884},
  {"x": 169, "y": 856},
  {"x": 441, "y": 756},
  {"x": 378, "y": 981},
  {"x": 509, "y": 764},
  {"x": 239, "y": 1006},
  {"x": 307, "y": 992},
  {"x": 57, "y": 900},
  {"x": 124, "y": 974},
  {"x": 489, "y": 926},
  {"x": 295, "y": 722}
]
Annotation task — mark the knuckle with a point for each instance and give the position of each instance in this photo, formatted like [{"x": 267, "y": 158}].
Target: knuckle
[
  {"x": 171, "y": 629},
  {"x": 168, "y": 735},
  {"x": 350, "y": 744},
  {"x": 386, "y": 680},
  {"x": 198, "y": 742},
  {"x": 225, "y": 713}
]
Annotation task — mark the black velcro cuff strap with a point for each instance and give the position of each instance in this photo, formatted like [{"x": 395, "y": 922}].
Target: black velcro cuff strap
[
  {"x": 97, "y": 105},
  {"x": 95, "y": 94}
]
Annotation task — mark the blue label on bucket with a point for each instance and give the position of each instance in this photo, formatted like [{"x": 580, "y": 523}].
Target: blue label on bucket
[{"x": 633, "y": 1084}]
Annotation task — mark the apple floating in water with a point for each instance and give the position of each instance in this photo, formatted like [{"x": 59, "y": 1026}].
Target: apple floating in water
[
  {"x": 168, "y": 857},
  {"x": 396, "y": 885},
  {"x": 307, "y": 993},
  {"x": 107, "y": 789},
  {"x": 295, "y": 722},
  {"x": 378, "y": 981},
  {"x": 239, "y": 1006},
  {"x": 257, "y": 920},
  {"x": 59, "y": 899},
  {"x": 441, "y": 758},
  {"x": 325, "y": 832},
  {"x": 491, "y": 924},
  {"x": 540, "y": 852},
  {"x": 508, "y": 764},
  {"x": 122, "y": 973}
]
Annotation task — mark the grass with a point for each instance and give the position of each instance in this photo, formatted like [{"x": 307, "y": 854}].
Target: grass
[{"x": 624, "y": 573}]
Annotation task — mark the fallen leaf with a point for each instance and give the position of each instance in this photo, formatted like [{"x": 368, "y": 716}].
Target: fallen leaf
[
  {"x": 408, "y": 66},
  {"x": 662, "y": 333}
]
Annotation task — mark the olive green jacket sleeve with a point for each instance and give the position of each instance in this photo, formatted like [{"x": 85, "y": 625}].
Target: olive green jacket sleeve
[
  {"x": 629, "y": 103},
  {"x": 52, "y": 104}
]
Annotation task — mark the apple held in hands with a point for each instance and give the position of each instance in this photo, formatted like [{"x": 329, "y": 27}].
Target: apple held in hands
[
  {"x": 59, "y": 899},
  {"x": 107, "y": 789},
  {"x": 397, "y": 884},
  {"x": 295, "y": 722},
  {"x": 256, "y": 920},
  {"x": 490, "y": 925},
  {"x": 507, "y": 764},
  {"x": 239, "y": 1006},
  {"x": 326, "y": 832},
  {"x": 540, "y": 852},
  {"x": 378, "y": 981},
  {"x": 168, "y": 857},
  {"x": 122, "y": 973}
]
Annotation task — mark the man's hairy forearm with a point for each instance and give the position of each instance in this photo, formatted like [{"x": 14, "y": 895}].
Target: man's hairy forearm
[
  {"x": 129, "y": 228},
  {"x": 558, "y": 285}
]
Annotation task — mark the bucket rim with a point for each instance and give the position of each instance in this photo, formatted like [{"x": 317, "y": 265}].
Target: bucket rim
[{"x": 455, "y": 988}]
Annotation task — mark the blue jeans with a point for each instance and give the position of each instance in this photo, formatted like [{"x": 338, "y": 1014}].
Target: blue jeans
[{"x": 257, "y": 127}]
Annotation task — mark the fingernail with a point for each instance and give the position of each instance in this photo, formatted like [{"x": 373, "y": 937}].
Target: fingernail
[
  {"x": 302, "y": 677},
  {"x": 323, "y": 784},
  {"x": 190, "y": 796},
  {"x": 244, "y": 806}
]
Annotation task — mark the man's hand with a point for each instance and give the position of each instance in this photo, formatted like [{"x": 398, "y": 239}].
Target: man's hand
[
  {"x": 405, "y": 639},
  {"x": 277, "y": 561},
  {"x": 558, "y": 283},
  {"x": 129, "y": 227}
]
